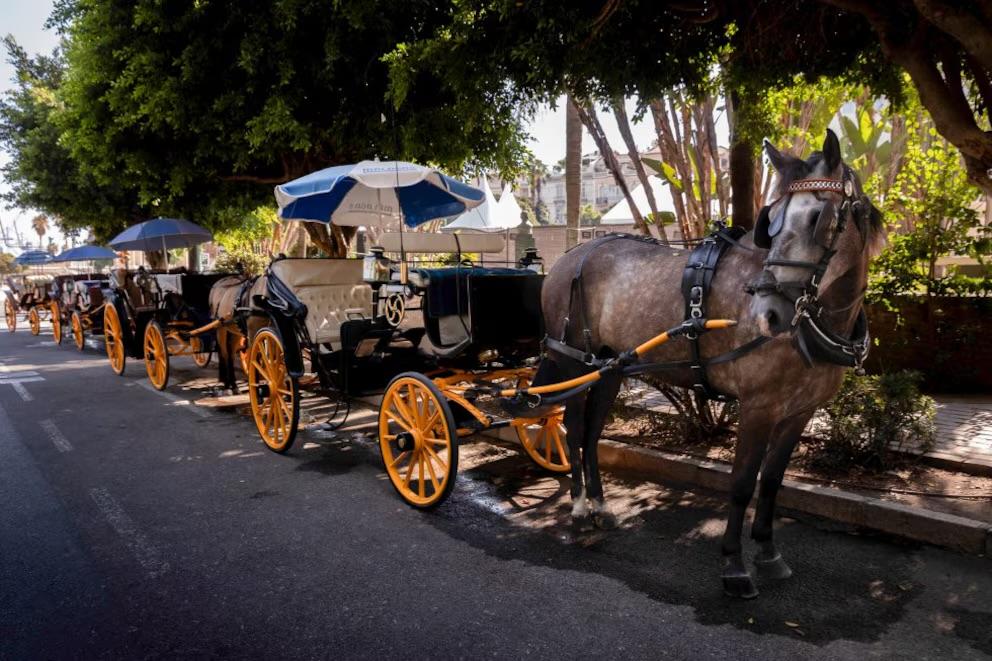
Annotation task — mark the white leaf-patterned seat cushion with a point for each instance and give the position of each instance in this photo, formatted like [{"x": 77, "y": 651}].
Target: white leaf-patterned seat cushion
[{"x": 332, "y": 290}]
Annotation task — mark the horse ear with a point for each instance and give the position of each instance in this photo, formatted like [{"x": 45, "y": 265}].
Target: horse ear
[
  {"x": 761, "y": 238},
  {"x": 831, "y": 150},
  {"x": 777, "y": 158}
]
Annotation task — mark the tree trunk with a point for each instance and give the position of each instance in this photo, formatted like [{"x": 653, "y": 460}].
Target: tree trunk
[
  {"x": 623, "y": 123},
  {"x": 573, "y": 172},
  {"x": 741, "y": 170},
  {"x": 331, "y": 239},
  {"x": 591, "y": 121}
]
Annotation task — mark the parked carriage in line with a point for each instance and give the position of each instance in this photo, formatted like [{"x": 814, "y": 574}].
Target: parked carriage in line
[
  {"x": 155, "y": 317},
  {"x": 77, "y": 304},
  {"x": 27, "y": 297},
  {"x": 481, "y": 326}
]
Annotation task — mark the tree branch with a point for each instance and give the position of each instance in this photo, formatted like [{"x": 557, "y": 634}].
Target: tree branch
[{"x": 965, "y": 27}]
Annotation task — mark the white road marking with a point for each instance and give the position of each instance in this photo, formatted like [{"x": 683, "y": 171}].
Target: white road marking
[
  {"x": 146, "y": 554},
  {"x": 21, "y": 390},
  {"x": 59, "y": 440},
  {"x": 4, "y": 374},
  {"x": 176, "y": 400}
]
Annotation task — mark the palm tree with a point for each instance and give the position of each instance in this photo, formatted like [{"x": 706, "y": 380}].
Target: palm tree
[
  {"x": 40, "y": 225},
  {"x": 573, "y": 171}
]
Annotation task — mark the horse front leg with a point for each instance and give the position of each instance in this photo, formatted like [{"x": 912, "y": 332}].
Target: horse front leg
[
  {"x": 752, "y": 438},
  {"x": 598, "y": 405},
  {"x": 768, "y": 562}
]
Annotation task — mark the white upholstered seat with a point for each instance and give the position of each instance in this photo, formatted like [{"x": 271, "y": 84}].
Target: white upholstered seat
[{"x": 332, "y": 290}]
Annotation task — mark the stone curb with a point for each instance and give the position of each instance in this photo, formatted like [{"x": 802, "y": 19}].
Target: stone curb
[{"x": 922, "y": 525}]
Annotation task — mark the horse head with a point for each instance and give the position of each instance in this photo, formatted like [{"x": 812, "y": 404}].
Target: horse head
[{"x": 820, "y": 228}]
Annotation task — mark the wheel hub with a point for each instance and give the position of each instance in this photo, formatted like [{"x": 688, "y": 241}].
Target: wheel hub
[{"x": 409, "y": 441}]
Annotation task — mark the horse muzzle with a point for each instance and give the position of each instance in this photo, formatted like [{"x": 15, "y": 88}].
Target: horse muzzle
[{"x": 770, "y": 307}]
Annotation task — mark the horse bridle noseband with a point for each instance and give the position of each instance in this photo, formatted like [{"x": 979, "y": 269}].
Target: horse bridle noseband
[{"x": 804, "y": 294}]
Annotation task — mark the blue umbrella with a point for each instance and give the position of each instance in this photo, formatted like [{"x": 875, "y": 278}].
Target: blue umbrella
[
  {"x": 161, "y": 234},
  {"x": 375, "y": 193},
  {"x": 32, "y": 257},
  {"x": 86, "y": 254}
]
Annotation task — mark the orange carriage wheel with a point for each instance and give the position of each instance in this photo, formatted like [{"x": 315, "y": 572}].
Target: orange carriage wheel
[
  {"x": 543, "y": 439},
  {"x": 78, "y": 335},
  {"x": 273, "y": 392},
  {"x": 113, "y": 338},
  {"x": 200, "y": 357},
  {"x": 418, "y": 440},
  {"x": 10, "y": 312},
  {"x": 56, "y": 322},
  {"x": 156, "y": 356},
  {"x": 34, "y": 320}
]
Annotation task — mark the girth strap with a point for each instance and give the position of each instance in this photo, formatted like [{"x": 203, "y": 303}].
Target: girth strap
[{"x": 696, "y": 280}]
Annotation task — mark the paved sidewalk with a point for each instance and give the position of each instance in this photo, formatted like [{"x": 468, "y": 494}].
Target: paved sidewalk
[{"x": 964, "y": 428}]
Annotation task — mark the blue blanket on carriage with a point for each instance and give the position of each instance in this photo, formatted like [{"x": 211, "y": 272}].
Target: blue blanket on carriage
[{"x": 447, "y": 288}]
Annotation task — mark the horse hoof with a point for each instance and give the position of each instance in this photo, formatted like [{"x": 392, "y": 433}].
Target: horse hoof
[
  {"x": 582, "y": 523},
  {"x": 739, "y": 586},
  {"x": 605, "y": 520},
  {"x": 772, "y": 569}
]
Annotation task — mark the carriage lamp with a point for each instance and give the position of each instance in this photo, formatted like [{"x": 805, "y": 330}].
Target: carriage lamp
[
  {"x": 376, "y": 266},
  {"x": 531, "y": 261}
]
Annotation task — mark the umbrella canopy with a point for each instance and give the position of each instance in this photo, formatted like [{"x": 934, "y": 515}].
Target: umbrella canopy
[
  {"x": 161, "y": 234},
  {"x": 86, "y": 254},
  {"x": 31, "y": 257},
  {"x": 375, "y": 193},
  {"x": 482, "y": 217}
]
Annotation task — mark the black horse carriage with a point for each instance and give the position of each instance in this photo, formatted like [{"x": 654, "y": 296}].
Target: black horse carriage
[
  {"x": 481, "y": 326},
  {"x": 77, "y": 303},
  {"x": 27, "y": 296},
  {"x": 155, "y": 316}
]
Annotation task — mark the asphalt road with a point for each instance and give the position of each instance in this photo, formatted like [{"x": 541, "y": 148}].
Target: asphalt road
[{"x": 136, "y": 525}]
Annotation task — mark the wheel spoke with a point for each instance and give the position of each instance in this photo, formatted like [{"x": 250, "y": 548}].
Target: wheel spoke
[
  {"x": 398, "y": 458},
  {"x": 409, "y": 473},
  {"x": 442, "y": 464},
  {"x": 430, "y": 468},
  {"x": 420, "y": 471},
  {"x": 561, "y": 448}
]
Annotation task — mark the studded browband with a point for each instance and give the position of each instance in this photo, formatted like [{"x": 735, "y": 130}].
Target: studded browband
[{"x": 814, "y": 185}]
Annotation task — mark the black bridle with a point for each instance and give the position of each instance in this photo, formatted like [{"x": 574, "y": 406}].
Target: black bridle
[{"x": 808, "y": 324}]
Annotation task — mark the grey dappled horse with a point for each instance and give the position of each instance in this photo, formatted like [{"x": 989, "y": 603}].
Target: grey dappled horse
[{"x": 632, "y": 291}]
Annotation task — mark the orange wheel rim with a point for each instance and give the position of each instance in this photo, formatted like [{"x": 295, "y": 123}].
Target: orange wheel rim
[
  {"x": 56, "y": 323},
  {"x": 35, "y": 321},
  {"x": 77, "y": 331},
  {"x": 416, "y": 442},
  {"x": 155, "y": 356},
  {"x": 11, "y": 315},
  {"x": 543, "y": 439},
  {"x": 200, "y": 357},
  {"x": 112, "y": 338},
  {"x": 273, "y": 412}
]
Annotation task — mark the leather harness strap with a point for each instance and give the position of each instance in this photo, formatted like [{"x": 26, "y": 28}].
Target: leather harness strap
[{"x": 696, "y": 280}]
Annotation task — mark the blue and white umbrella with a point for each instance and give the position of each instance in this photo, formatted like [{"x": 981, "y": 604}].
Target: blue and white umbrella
[
  {"x": 33, "y": 257},
  {"x": 85, "y": 254},
  {"x": 161, "y": 234},
  {"x": 375, "y": 193}
]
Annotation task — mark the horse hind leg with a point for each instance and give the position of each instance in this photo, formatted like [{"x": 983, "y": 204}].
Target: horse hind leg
[
  {"x": 598, "y": 405},
  {"x": 769, "y": 563},
  {"x": 574, "y": 425}
]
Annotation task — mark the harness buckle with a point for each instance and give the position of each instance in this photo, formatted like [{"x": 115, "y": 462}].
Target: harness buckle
[{"x": 696, "y": 302}]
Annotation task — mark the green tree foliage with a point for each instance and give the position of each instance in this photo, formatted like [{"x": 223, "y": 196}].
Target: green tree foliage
[
  {"x": 197, "y": 109},
  {"x": 931, "y": 207},
  {"x": 7, "y": 264},
  {"x": 42, "y": 174},
  {"x": 588, "y": 216}
]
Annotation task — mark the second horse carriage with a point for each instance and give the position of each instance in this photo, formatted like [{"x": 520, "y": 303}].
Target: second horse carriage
[{"x": 154, "y": 317}]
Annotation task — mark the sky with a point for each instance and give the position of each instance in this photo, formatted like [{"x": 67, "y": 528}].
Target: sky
[{"x": 25, "y": 20}]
